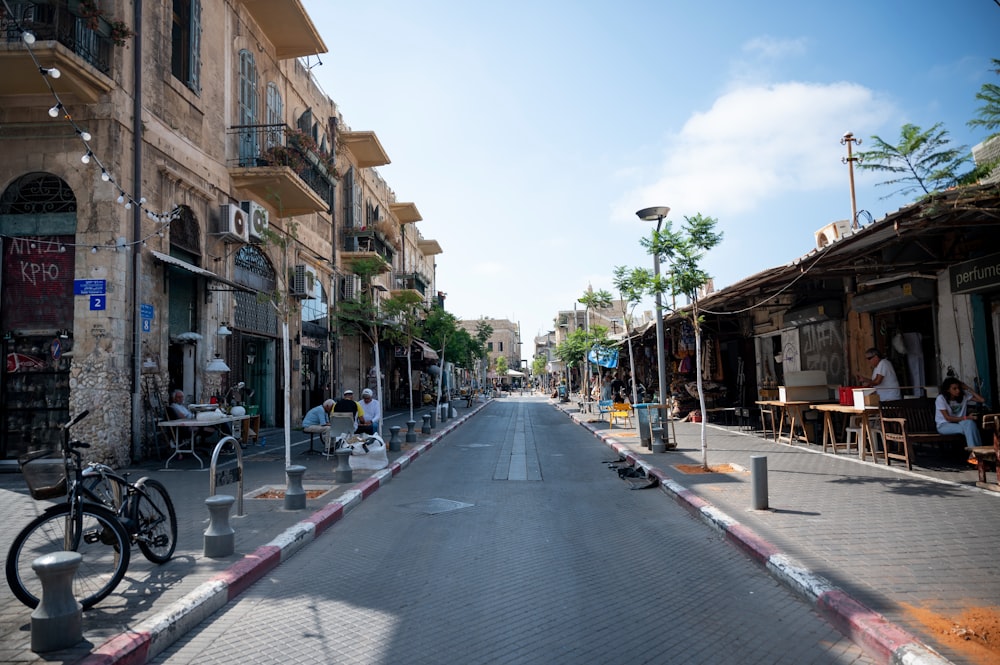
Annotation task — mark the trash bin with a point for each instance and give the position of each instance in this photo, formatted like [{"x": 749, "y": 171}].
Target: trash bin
[
  {"x": 562, "y": 394},
  {"x": 642, "y": 416}
]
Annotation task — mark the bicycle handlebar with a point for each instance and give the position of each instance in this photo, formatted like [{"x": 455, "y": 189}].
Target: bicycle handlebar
[{"x": 77, "y": 418}]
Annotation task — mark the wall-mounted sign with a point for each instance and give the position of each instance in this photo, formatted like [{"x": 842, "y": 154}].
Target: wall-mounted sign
[
  {"x": 980, "y": 274},
  {"x": 98, "y": 302},
  {"x": 90, "y": 287}
]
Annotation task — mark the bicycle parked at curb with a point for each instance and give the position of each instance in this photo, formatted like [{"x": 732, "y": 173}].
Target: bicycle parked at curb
[{"x": 103, "y": 516}]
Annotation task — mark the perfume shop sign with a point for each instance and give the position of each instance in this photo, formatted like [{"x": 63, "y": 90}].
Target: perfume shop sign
[{"x": 982, "y": 274}]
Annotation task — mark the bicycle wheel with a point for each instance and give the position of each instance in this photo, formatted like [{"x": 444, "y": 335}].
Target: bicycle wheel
[
  {"x": 106, "y": 490},
  {"x": 152, "y": 513},
  {"x": 101, "y": 540}
]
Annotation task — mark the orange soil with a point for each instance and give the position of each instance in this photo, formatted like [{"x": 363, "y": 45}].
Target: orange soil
[
  {"x": 698, "y": 468},
  {"x": 975, "y": 633},
  {"x": 280, "y": 494}
]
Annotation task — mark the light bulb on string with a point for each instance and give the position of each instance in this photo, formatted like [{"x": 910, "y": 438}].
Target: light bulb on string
[
  {"x": 84, "y": 134},
  {"x": 86, "y": 157},
  {"x": 93, "y": 250},
  {"x": 128, "y": 204},
  {"x": 51, "y": 72},
  {"x": 104, "y": 176},
  {"x": 54, "y": 111},
  {"x": 121, "y": 198},
  {"x": 28, "y": 37}
]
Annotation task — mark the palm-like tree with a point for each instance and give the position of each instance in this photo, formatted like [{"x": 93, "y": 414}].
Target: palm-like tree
[{"x": 922, "y": 160}]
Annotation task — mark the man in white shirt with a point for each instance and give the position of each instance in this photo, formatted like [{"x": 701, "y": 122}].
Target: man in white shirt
[
  {"x": 369, "y": 423},
  {"x": 883, "y": 377}
]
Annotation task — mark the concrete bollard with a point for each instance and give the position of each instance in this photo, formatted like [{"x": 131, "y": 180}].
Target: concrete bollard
[
  {"x": 758, "y": 481},
  {"x": 57, "y": 622},
  {"x": 444, "y": 413},
  {"x": 343, "y": 473},
  {"x": 220, "y": 538},
  {"x": 295, "y": 495},
  {"x": 428, "y": 423},
  {"x": 411, "y": 434},
  {"x": 394, "y": 443}
]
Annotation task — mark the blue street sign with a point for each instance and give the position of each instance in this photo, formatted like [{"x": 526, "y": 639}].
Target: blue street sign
[
  {"x": 98, "y": 302},
  {"x": 90, "y": 287},
  {"x": 147, "y": 325},
  {"x": 145, "y": 311}
]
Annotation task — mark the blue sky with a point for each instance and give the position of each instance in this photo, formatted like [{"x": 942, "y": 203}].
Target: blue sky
[{"x": 529, "y": 132}]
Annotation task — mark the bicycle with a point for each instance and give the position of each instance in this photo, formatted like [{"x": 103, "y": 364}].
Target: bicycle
[{"x": 103, "y": 516}]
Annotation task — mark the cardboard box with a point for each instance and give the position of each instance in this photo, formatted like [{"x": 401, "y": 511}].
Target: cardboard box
[
  {"x": 803, "y": 393},
  {"x": 865, "y": 397}
]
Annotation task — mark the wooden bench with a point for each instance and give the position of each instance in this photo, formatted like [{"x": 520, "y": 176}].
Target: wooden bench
[
  {"x": 906, "y": 422},
  {"x": 988, "y": 455}
]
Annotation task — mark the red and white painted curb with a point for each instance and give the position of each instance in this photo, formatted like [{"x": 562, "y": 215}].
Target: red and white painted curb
[
  {"x": 871, "y": 631},
  {"x": 151, "y": 636}
]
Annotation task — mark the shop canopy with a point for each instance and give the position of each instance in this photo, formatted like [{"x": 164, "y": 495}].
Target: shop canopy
[{"x": 514, "y": 372}]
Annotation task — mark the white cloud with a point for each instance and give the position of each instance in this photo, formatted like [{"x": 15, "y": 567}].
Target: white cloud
[
  {"x": 772, "y": 48},
  {"x": 759, "y": 143}
]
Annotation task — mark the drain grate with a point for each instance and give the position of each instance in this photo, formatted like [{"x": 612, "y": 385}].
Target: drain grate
[{"x": 436, "y": 506}]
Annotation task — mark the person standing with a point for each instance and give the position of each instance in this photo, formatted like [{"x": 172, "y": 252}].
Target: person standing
[
  {"x": 883, "y": 377},
  {"x": 317, "y": 420},
  {"x": 951, "y": 411},
  {"x": 371, "y": 413}
]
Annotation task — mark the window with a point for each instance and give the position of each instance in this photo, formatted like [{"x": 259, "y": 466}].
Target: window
[
  {"x": 489, "y": 346},
  {"x": 275, "y": 111},
  {"x": 249, "y": 148},
  {"x": 500, "y": 347},
  {"x": 185, "y": 43}
]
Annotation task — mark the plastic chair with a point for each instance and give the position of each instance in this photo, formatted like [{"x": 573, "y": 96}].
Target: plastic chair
[{"x": 342, "y": 425}]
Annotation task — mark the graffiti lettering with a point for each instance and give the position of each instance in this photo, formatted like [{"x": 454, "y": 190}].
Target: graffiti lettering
[{"x": 33, "y": 273}]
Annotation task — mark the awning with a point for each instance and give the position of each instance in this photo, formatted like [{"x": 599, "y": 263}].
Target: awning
[
  {"x": 514, "y": 372},
  {"x": 168, "y": 260},
  {"x": 425, "y": 349}
]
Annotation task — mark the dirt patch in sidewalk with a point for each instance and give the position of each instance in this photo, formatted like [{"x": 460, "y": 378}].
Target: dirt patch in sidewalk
[
  {"x": 698, "y": 468},
  {"x": 975, "y": 633},
  {"x": 280, "y": 494}
]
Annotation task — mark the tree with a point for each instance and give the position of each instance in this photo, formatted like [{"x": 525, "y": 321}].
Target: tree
[
  {"x": 440, "y": 327},
  {"x": 684, "y": 250},
  {"x": 360, "y": 315},
  {"x": 501, "y": 367},
  {"x": 922, "y": 161},
  {"x": 593, "y": 299},
  {"x": 572, "y": 350},
  {"x": 632, "y": 285},
  {"x": 406, "y": 310},
  {"x": 988, "y": 115}
]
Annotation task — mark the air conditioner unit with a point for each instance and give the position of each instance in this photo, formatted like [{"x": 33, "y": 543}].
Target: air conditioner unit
[
  {"x": 831, "y": 233},
  {"x": 233, "y": 223},
  {"x": 301, "y": 284},
  {"x": 352, "y": 287},
  {"x": 257, "y": 216}
]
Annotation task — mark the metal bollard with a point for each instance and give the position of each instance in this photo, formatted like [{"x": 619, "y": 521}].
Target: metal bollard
[
  {"x": 57, "y": 622},
  {"x": 758, "y": 481},
  {"x": 428, "y": 423},
  {"x": 411, "y": 434},
  {"x": 444, "y": 412},
  {"x": 658, "y": 444},
  {"x": 434, "y": 413},
  {"x": 295, "y": 495},
  {"x": 394, "y": 439},
  {"x": 220, "y": 538},
  {"x": 343, "y": 473}
]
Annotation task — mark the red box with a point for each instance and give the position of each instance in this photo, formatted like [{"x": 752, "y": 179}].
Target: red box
[{"x": 846, "y": 396}]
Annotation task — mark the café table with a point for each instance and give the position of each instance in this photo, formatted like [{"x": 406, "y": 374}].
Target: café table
[
  {"x": 185, "y": 444},
  {"x": 866, "y": 443},
  {"x": 791, "y": 411}
]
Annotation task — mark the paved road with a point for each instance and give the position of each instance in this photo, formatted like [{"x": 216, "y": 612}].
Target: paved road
[{"x": 516, "y": 544}]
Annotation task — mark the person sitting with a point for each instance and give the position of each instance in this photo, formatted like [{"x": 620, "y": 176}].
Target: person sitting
[
  {"x": 371, "y": 413},
  {"x": 883, "y": 377},
  {"x": 178, "y": 410},
  {"x": 317, "y": 421},
  {"x": 950, "y": 411},
  {"x": 346, "y": 404}
]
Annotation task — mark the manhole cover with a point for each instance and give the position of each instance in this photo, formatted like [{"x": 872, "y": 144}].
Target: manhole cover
[{"x": 436, "y": 506}]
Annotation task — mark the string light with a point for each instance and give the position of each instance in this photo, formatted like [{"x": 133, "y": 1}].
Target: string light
[{"x": 162, "y": 220}]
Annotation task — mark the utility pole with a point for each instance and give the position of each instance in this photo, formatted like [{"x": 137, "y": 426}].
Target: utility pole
[{"x": 847, "y": 140}]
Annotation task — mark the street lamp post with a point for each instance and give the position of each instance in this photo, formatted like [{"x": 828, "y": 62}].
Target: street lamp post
[{"x": 647, "y": 215}]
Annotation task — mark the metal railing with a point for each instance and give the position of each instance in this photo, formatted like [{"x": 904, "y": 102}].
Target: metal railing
[
  {"x": 280, "y": 145},
  {"x": 409, "y": 280},
  {"x": 368, "y": 240},
  {"x": 52, "y": 21}
]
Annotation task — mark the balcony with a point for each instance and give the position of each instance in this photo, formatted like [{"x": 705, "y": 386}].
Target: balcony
[
  {"x": 63, "y": 40},
  {"x": 405, "y": 213},
  {"x": 287, "y": 26},
  {"x": 409, "y": 281},
  {"x": 283, "y": 167},
  {"x": 429, "y": 247},
  {"x": 366, "y": 244},
  {"x": 365, "y": 147}
]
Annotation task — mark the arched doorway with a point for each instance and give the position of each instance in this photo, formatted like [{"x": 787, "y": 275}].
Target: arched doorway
[
  {"x": 38, "y": 232},
  {"x": 252, "y": 349}
]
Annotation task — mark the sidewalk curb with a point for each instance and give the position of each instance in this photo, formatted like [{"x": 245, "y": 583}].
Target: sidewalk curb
[
  {"x": 150, "y": 637},
  {"x": 868, "y": 629}
]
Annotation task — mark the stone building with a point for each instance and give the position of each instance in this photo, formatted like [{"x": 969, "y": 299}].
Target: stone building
[{"x": 179, "y": 197}]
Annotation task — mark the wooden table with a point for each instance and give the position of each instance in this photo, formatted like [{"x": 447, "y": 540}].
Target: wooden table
[
  {"x": 791, "y": 410},
  {"x": 866, "y": 442},
  {"x": 192, "y": 425}
]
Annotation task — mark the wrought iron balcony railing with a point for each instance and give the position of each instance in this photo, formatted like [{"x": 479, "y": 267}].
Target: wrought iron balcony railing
[
  {"x": 368, "y": 241},
  {"x": 280, "y": 145},
  {"x": 412, "y": 281},
  {"x": 55, "y": 21}
]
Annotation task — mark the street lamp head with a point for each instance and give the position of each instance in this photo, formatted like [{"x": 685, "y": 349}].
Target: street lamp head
[{"x": 653, "y": 214}]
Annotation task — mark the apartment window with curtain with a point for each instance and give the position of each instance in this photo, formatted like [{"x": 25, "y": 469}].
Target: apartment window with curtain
[
  {"x": 247, "y": 109},
  {"x": 185, "y": 43},
  {"x": 275, "y": 116}
]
